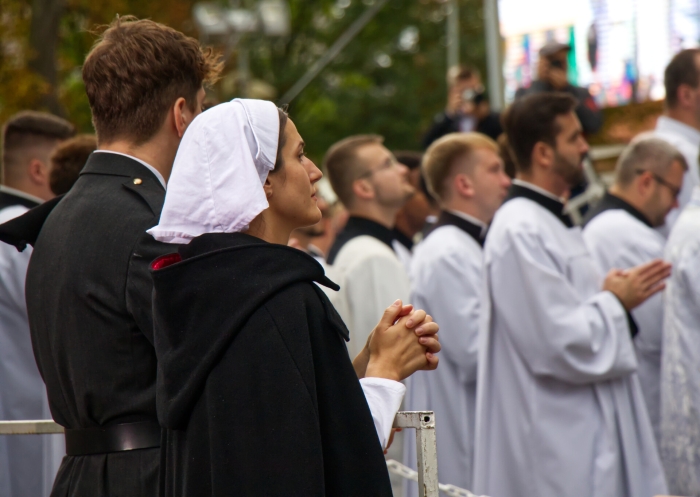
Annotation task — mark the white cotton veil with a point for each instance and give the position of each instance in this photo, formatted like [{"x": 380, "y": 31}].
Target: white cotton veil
[{"x": 216, "y": 185}]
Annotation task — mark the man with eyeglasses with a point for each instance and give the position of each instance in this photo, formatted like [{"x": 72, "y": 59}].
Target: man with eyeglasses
[
  {"x": 373, "y": 186},
  {"x": 620, "y": 233},
  {"x": 560, "y": 411}
]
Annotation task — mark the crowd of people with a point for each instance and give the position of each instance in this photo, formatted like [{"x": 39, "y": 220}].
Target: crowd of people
[{"x": 207, "y": 314}]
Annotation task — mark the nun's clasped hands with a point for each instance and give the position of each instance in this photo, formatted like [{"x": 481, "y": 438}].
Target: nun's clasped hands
[{"x": 403, "y": 342}]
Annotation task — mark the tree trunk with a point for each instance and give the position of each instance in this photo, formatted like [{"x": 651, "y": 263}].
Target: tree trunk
[{"x": 43, "y": 39}]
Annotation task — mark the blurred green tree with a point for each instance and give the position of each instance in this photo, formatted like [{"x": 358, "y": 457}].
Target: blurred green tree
[{"x": 389, "y": 80}]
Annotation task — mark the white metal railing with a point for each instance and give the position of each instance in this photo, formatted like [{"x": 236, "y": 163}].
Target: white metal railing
[
  {"x": 29, "y": 427},
  {"x": 426, "y": 449}
]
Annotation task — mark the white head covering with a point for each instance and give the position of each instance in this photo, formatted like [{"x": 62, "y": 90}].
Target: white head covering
[{"x": 216, "y": 185}]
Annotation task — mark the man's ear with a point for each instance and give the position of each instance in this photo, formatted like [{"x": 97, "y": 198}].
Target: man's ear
[
  {"x": 645, "y": 182},
  {"x": 363, "y": 189},
  {"x": 38, "y": 172},
  {"x": 543, "y": 154},
  {"x": 684, "y": 95},
  {"x": 180, "y": 116},
  {"x": 463, "y": 185}
]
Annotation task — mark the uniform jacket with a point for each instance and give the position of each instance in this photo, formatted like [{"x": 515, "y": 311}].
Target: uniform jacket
[{"x": 88, "y": 297}]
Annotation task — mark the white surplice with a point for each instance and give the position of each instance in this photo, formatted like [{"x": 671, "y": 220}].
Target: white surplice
[
  {"x": 680, "y": 365},
  {"x": 618, "y": 240},
  {"x": 560, "y": 412},
  {"x": 28, "y": 463},
  {"x": 447, "y": 283},
  {"x": 371, "y": 278}
]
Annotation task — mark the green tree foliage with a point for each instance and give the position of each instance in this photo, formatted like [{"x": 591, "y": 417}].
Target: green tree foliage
[
  {"x": 20, "y": 88},
  {"x": 380, "y": 83}
]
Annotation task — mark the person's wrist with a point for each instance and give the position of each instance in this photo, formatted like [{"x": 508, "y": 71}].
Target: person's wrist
[
  {"x": 361, "y": 361},
  {"x": 378, "y": 370}
]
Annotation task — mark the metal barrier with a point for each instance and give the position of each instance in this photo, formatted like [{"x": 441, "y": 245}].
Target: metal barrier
[
  {"x": 28, "y": 427},
  {"x": 426, "y": 449}
]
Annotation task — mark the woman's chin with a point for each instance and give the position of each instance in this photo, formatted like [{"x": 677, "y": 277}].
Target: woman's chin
[{"x": 314, "y": 216}]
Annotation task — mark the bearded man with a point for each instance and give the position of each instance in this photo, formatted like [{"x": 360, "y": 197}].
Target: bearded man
[{"x": 560, "y": 410}]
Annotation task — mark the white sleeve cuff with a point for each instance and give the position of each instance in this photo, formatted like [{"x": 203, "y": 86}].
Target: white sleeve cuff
[{"x": 384, "y": 399}]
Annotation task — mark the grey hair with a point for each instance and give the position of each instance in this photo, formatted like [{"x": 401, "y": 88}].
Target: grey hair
[{"x": 649, "y": 153}]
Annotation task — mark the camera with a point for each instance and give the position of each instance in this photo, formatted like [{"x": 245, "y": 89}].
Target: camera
[{"x": 474, "y": 95}]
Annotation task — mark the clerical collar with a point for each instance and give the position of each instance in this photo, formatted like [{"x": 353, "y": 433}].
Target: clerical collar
[
  {"x": 402, "y": 239},
  {"x": 469, "y": 224},
  {"x": 523, "y": 189},
  {"x": 613, "y": 202},
  {"x": 360, "y": 226}
]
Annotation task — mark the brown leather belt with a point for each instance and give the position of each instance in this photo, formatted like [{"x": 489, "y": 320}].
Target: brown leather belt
[{"x": 116, "y": 438}]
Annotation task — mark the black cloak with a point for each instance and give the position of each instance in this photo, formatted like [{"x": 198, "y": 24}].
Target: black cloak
[{"x": 255, "y": 386}]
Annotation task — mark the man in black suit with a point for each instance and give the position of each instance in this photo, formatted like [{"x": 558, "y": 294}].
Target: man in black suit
[{"x": 88, "y": 287}]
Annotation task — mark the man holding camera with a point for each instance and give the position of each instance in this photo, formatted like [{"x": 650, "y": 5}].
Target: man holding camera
[
  {"x": 552, "y": 76},
  {"x": 467, "y": 108}
]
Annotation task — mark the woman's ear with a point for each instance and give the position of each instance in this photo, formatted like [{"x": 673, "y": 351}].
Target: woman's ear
[{"x": 267, "y": 187}]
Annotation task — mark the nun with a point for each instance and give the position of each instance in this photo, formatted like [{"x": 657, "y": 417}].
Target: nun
[{"x": 255, "y": 388}]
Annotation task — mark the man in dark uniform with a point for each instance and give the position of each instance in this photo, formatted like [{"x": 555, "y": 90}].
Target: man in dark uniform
[{"x": 88, "y": 287}]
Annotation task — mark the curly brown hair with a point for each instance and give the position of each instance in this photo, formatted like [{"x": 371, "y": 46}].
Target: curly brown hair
[{"x": 136, "y": 71}]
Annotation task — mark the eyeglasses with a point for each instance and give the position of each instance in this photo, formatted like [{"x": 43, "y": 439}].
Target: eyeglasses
[
  {"x": 387, "y": 165},
  {"x": 674, "y": 189}
]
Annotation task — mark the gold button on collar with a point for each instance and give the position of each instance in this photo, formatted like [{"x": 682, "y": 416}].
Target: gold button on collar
[{"x": 138, "y": 181}]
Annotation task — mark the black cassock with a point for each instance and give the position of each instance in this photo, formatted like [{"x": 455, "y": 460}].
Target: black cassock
[
  {"x": 88, "y": 296},
  {"x": 255, "y": 386}
]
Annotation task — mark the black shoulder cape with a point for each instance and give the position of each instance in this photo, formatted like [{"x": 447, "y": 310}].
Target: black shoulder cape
[{"x": 255, "y": 387}]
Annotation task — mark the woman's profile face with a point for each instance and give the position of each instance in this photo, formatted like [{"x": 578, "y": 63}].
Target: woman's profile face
[{"x": 294, "y": 185}]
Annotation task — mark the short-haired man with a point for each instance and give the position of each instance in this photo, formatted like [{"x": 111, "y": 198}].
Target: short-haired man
[
  {"x": 680, "y": 124},
  {"x": 467, "y": 108},
  {"x": 559, "y": 411},
  {"x": 88, "y": 283},
  {"x": 373, "y": 186},
  {"x": 27, "y": 464},
  {"x": 68, "y": 160},
  {"x": 465, "y": 173},
  {"x": 619, "y": 232}
]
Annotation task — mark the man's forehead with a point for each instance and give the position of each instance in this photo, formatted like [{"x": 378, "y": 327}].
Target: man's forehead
[
  {"x": 372, "y": 151},
  {"x": 568, "y": 122}
]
